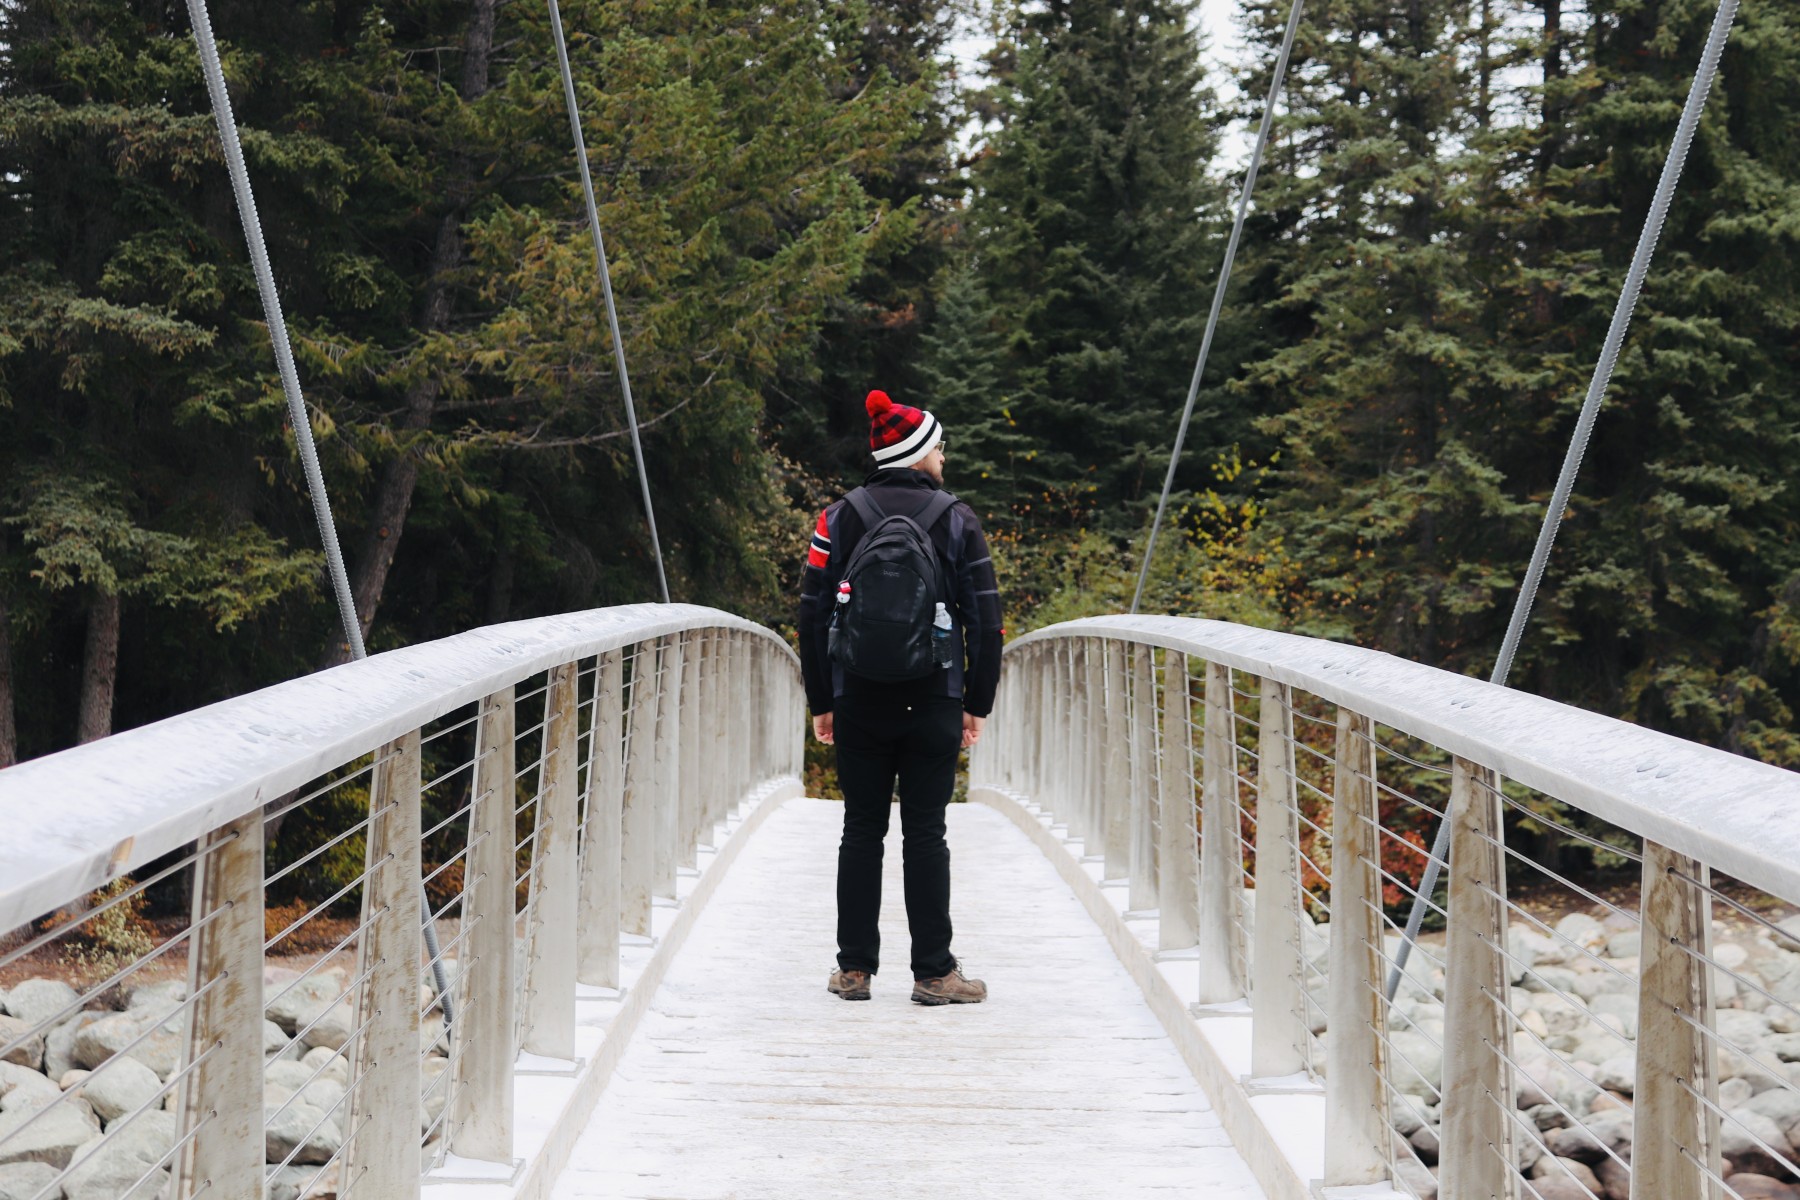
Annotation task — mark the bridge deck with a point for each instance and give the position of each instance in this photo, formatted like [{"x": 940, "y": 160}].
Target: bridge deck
[{"x": 747, "y": 1079}]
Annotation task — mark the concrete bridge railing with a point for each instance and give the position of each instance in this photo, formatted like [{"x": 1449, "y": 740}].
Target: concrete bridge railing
[
  {"x": 546, "y": 781},
  {"x": 1258, "y": 806}
]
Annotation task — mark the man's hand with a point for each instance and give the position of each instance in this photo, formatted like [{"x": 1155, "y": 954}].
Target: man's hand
[
  {"x": 822, "y": 729},
  {"x": 972, "y": 729}
]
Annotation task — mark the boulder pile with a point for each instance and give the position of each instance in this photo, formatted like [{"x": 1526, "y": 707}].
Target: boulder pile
[
  {"x": 1574, "y": 997},
  {"x": 105, "y": 1072}
]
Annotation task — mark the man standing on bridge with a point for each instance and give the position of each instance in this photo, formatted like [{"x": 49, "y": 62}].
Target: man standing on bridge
[{"x": 900, "y": 649}]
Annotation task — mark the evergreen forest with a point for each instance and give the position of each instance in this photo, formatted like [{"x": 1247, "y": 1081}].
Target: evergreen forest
[{"x": 805, "y": 200}]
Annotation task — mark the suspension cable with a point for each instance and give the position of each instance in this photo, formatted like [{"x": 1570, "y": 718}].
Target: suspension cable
[
  {"x": 606, "y": 289},
  {"x": 1584, "y": 425},
  {"x": 1218, "y": 300},
  {"x": 290, "y": 378}
]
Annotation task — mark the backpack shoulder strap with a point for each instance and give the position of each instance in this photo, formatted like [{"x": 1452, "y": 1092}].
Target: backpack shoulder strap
[
  {"x": 865, "y": 506},
  {"x": 939, "y": 504}
]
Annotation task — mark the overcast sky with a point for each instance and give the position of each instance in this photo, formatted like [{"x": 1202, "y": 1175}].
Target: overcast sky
[{"x": 1224, "y": 48}]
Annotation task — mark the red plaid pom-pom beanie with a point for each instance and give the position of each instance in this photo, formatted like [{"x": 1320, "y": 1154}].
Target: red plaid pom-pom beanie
[{"x": 900, "y": 436}]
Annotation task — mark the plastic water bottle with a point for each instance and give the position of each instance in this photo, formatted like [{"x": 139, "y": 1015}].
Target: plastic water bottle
[{"x": 940, "y": 636}]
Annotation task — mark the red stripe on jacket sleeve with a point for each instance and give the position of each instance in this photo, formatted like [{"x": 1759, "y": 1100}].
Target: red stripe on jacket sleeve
[{"x": 819, "y": 552}]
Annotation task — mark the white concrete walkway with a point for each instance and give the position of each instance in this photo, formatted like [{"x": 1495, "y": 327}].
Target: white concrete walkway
[{"x": 748, "y": 1080}]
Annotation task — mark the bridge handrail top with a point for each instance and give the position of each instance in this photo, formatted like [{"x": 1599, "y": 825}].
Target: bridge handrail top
[
  {"x": 77, "y": 817},
  {"x": 1738, "y": 815}
]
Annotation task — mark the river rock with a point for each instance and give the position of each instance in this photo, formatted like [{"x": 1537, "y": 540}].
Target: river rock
[
  {"x": 1751, "y": 1142},
  {"x": 1615, "y": 1179},
  {"x": 1550, "y": 1167},
  {"x": 328, "y": 1063},
  {"x": 1625, "y": 944},
  {"x": 168, "y": 995},
  {"x": 331, "y": 1027},
  {"x": 297, "y": 1002},
  {"x": 52, "y": 1137},
  {"x": 1417, "y": 1064},
  {"x": 1780, "y": 1105},
  {"x": 1761, "y": 1187},
  {"x": 160, "y": 1051},
  {"x": 37, "y": 1000},
  {"x": 122, "y": 1086},
  {"x": 1618, "y": 1074},
  {"x": 303, "y": 1183},
  {"x": 23, "y": 1089},
  {"x": 1558, "y": 1187},
  {"x": 30, "y": 1049},
  {"x": 59, "y": 1045},
  {"x": 106, "y": 1167},
  {"x": 301, "y": 1125},
  {"x": 274, "y": 1039},
  {"x": 1583, "y": 930},
  {"x": 27, "y": 1181}
]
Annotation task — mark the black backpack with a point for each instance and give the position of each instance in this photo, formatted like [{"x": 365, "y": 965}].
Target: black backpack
[{"x": 883, "y": 630}]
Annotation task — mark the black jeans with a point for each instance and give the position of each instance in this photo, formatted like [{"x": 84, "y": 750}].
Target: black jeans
[{"x": 915, "y": 740}]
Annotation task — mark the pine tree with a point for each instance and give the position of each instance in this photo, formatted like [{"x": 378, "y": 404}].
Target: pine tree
[
  {"x": 1093, "y": 237},
  {"x": 962, "y": 381}
]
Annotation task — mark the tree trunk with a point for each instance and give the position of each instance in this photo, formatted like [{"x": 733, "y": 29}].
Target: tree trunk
[
  {"x": 100, "y": 672},
  {"x": 9, "y": 726},
  {"x": 394, "y": 493}
]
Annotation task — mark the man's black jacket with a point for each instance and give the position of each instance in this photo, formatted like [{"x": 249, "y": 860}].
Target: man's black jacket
[{"x": 975, "y": 615}]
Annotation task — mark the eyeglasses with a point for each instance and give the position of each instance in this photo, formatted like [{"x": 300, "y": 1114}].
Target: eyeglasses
[{"x": 943, "y": 446}]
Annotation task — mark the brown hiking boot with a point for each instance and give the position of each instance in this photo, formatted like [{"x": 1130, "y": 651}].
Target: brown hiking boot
[
  {"x": 851, "y": 985},
  {"x": 954, "y": 988}
]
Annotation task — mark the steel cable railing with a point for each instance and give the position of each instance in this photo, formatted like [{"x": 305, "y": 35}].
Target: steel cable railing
[
  {"x": 1605, "y": 998},
  {"x": 493, "y": 768}
]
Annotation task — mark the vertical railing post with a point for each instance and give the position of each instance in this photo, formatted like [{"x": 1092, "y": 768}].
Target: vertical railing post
[
  {"x": 1356, "y": 1123},
  {"x": 483, "y": 1051},
  {"x": 1475, "y": 1155},
  {"x": 1143, "y": 895},
  {"x": 1278, "y": 1034},
  {"x": 548, "y": 1019},
  {"x": 597, "y": 930},
  {"x": 384, "y": 1110},
  {"x": 1178, "y": 876},
  {"x": 743, "y": 703},
  {"x": 1675, "y": 1143},
  {"x": 1221, "y": 853},
  {"x": 221, "y": 1098},
  {"x": 712, "y": 755},
  {"x": 637, "y": 824},
  {"x": 1059, "y": 762},
  {"x": 1115, "y": 813},
  {"x": 689, "y": 733},
  {"x": 1084, "y": 682},
  {"x": 667, "y": 821},
  {"x": 1098, "y": 678},
  {"x": 1048, "y": 743}
]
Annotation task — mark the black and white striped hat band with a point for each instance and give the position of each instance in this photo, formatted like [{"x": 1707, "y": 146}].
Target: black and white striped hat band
[{"x": 912, "y": 448}]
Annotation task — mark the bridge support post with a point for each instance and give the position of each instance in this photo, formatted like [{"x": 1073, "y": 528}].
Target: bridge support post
[
  {"x": 1357, "y": 1130},
  {"x": 1059, "y": 786},
  {"x": 1674, "y": 1130},
  {"x": 548, "y": 1016},
  {"x": 384, "y": 1110},
  {"x": 1116, "y": 780},
  {"x": 221, "y": 1099},
  {"x": 1178, "y": 875},
  {"x": 1143, "y": 780},
  {"x": 715, "y": 677},
  {"x": 637, "y": 824},
  {"x": 1476, "y": 1154},
  {"x": 667, "y": 821},
  {"x": 689, "y": 734},
  {"x": 1278, "y": 1030},
  {"x": 1221, "y": 854},
  {"x": 483, "y": 1046},
  {"x": 597, "y": 929},
  {"x": 1087, "y": 680}
]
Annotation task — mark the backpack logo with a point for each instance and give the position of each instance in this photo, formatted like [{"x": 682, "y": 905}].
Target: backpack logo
[{"x": 883, "y": 623}]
